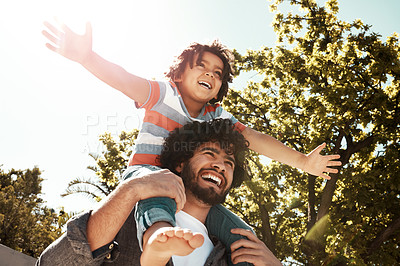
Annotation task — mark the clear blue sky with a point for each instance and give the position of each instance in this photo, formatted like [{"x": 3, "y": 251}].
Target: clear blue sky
[{"x": 52, "y": 110}]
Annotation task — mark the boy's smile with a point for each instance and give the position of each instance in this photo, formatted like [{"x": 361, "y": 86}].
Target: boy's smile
[{"x": 200, "y": 84}]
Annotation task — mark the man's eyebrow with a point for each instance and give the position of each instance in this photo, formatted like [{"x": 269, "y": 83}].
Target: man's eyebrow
[
  {"x": 228, "y": 157},
  {"x": 210, "y": 149},
  {"x": 231, "y": 158}
]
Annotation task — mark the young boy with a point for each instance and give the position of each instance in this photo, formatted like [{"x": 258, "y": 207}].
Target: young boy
[{"x": 198, "y": 79}]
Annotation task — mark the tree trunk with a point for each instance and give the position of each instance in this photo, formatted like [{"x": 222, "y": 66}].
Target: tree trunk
[{"x": 314, "y": 247}]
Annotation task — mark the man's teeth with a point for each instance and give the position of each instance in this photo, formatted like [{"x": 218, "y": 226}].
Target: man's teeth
[
  {"x": 214, "y": 179},
  {"x": 205, "y": 84}
]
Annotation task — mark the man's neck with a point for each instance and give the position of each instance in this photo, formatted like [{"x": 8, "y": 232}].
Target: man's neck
[{"x": 196, "y": 209}]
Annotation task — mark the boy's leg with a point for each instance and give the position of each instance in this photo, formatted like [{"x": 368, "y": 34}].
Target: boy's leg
[
  {"x": 219, "y": 223},
  {"x": 153, "y": 210},
  {"x": 158, "y": 236}
]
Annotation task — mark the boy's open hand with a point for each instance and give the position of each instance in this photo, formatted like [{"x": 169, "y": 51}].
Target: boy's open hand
[
  {"x": 68, "y": 43},
  {"x": 320, "y": 165}
]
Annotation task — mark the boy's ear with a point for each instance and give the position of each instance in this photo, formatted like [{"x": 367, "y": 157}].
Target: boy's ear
[{"x": 178, "y": 79}]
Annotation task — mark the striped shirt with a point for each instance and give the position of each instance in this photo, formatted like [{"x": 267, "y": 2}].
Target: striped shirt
[{"x": 165, "y": 111}]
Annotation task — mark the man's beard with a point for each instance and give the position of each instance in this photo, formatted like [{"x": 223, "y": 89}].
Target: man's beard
[{"x": 206, "y": 195}]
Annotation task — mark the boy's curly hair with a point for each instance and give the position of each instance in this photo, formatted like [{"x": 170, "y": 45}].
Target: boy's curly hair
[
  {"x": 180, "y": 145},
  {"x": 187, "y": 57}
]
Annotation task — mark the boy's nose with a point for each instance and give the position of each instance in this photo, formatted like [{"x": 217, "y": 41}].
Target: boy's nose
[{"x": 208, "y": 73}]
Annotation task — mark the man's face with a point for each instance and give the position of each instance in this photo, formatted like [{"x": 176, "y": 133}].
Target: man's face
[{"x": 208, "y": 175}]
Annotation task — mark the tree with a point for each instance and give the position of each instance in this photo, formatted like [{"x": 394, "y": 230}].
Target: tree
[
  {"x": 26, "y": 225},
  {"x": 108, "y": 169},
  {"x": 327, "y": 81},
  {"x": 335, "y": 82}
]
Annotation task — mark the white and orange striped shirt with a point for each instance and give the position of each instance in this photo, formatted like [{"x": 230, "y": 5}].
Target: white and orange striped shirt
[{"x": 165, "y": 111}]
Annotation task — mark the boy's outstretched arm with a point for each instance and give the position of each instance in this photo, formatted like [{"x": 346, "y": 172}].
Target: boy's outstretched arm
[
  {"x": 78, "y": 48},
  {"x": 313, "y": 163}
]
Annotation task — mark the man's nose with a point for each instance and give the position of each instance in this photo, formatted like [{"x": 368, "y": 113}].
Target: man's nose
[{"x": 219, "y": 164}]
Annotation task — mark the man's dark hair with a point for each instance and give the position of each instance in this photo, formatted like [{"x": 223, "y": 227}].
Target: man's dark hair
[
  {"x": 187, "y": 57},
  {"x": 180, "y": 145}
]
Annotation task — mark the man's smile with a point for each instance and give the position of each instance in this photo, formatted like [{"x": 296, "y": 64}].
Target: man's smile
[{"x": 212, "y": 177}]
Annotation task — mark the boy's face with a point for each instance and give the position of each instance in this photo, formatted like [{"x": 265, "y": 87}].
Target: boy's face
[{"x": 202, "y": 82}]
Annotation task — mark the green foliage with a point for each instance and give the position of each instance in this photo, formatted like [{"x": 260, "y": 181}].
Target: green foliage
[
  {"x": 335, "y": 82},
  {"x": 108, "y": 169},
  {"x": 25, "y": 224},
  {"x": 326, "y": 81}
]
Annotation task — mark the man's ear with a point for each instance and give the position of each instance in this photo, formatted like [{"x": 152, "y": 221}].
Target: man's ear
[{"x": 179, "y": 168}]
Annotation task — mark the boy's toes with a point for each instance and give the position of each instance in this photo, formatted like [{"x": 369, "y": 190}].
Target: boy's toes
[
  {"x": 179, "y": 232},
  {"x": 161, "y": 238},
  {"x": 196, "y": 241}
]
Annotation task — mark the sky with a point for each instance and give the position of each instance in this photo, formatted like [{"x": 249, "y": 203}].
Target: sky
[{"x": 52, "y": 110}]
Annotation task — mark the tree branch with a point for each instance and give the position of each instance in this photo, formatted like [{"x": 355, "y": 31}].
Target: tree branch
[
  {"x": 383, "y": 236},
  {"x": 329, "y": 189},
  {"x": 312, "y": 217}
]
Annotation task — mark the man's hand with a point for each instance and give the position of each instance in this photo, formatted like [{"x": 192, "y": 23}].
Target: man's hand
[
  {"x": 68, "y": 43},
  {"x": 252, "y": 250},
  {"x": 320, "y": 165},
  {"x": 105, "y": 221},
  {"x": 161, "y": 183}
]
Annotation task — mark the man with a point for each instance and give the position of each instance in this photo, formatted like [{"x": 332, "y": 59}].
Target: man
[{"x": 209, "y": 157}]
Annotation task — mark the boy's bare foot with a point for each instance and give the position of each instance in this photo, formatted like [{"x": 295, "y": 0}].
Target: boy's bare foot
[{"x": 168, "y": 241}]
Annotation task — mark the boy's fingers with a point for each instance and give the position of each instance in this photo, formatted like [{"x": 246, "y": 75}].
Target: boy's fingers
[
  {"x": 65, "y": 28},
  {"x": 53, "y": 29},
  {"x": 334, "y": 163},
  {"x": 61, "y": 24},
  {"x": 331, "y": 170},
  {"x": 332, "y": 158},
  {"x": 325, "y": 176},
  {"x": 50, "y": 37},
  {"x": 51, "y": 47}
]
